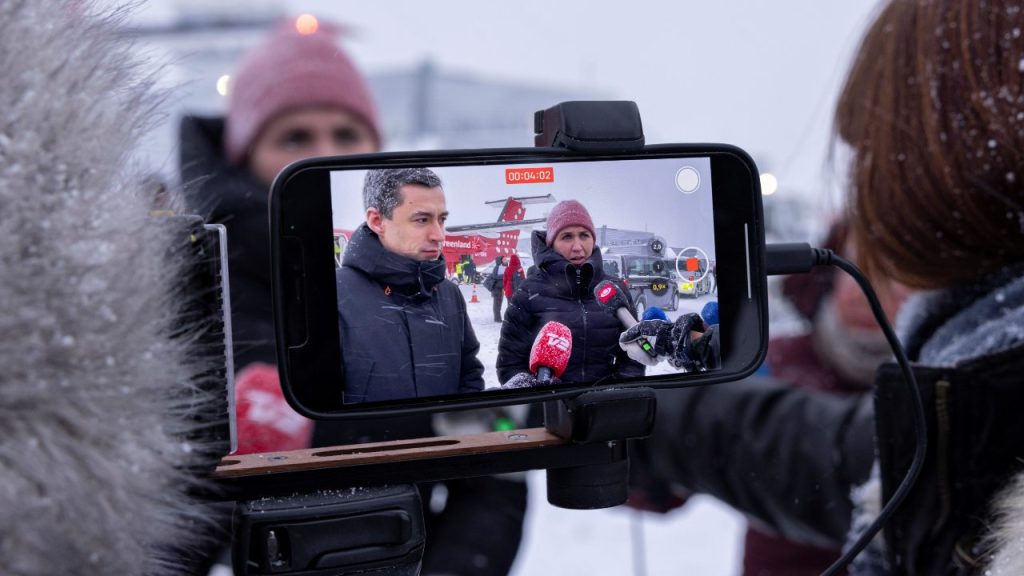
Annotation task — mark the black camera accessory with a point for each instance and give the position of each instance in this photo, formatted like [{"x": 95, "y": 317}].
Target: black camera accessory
[{"x": 336, "y": 532}]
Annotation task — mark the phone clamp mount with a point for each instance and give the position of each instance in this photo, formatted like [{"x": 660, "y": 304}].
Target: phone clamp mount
[
  {"x": 353, "y": 509},
  {"x": 590, "y": 127}
]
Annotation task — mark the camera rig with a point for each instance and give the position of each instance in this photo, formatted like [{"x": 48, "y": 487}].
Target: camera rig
[{"x": 348, "y": 509}]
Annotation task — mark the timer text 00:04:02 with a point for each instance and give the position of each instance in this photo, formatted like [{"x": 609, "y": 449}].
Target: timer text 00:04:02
[{"x": 529, "y": 175}]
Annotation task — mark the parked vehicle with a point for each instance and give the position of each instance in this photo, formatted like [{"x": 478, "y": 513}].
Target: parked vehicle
[
  {"x": 690, "y": 283},
  {"x": 647, "y": 278}
]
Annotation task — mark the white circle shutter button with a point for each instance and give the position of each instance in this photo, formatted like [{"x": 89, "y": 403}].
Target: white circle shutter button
[{"x": 687, "y": 179}]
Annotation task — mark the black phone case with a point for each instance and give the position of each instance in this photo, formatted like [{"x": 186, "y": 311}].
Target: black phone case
[{"x": 305, "y": 360}]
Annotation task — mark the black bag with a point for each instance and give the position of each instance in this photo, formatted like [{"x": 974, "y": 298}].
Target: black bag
[{"x": 492, "y": 283}]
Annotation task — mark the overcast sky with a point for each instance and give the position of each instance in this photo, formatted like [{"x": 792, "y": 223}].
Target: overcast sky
[
  {"x": 760, "y": 75},
  {"x": 627, "y": 195}
]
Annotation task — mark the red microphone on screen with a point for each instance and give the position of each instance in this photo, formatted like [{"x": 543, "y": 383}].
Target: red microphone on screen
[
  {"x": 266, "y": 423},
  {"x": 610, "y": 297},
  {"x": 550, "y": 352}
]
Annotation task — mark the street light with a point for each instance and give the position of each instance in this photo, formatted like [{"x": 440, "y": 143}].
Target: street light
[
  {"x": 306, "y": 24},
  {"x": 223, "y": 84},
  {"x": 769, "y": 184}
]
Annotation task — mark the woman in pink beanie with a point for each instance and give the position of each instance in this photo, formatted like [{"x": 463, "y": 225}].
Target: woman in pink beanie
[
  {"x": 294, "y": 96},
  {"x": 297, "y": 96},
  {"x": 568, "y": 267}
]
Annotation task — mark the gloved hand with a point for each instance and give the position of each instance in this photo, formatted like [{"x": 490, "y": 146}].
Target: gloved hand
[
  {"x": 525, "y": 380},
  {"x": 683, "y": 355},
  {"x": 671, "y": 341},
  {"x": 658, "y": 334}
]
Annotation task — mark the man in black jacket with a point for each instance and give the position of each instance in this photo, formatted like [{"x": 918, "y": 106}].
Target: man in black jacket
[
  {"x": 405, "y": 333},
  {"x": 404, "y": 330}
]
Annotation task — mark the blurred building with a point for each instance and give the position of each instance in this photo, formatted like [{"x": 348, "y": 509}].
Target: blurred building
[
  {"x": 791, "y": 217},
  {"x": 427, "y": 107}
]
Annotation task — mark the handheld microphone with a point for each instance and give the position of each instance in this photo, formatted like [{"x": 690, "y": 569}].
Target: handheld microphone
[
  {"x": 610, "y": 297},
  {"x": 266, "y": 423},
  {"x": 550, "y": 352}
]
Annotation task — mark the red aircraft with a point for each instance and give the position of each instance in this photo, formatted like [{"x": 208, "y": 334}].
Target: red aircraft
[{"x": 482, "y": 242}]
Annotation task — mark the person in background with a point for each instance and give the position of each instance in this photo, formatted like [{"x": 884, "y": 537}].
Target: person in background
[
  {"x": 930, "y": 112},
  {"x": 495, "y": 285},
  {"x": 709, "y": 313},
  {"x": 297, "y": 96},
  {"x": 229, "y": 163},
  {"x": 654, "y": 313},
  {"x": 838, "y": 353},
  {"x": 469, "y": 269},
  {"x": 513, "y": 277},
  {"x": 569, "y": 266}
]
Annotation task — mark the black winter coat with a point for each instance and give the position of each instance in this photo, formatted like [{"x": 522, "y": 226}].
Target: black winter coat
[
  {"x": 564, "y": 293},
  {"x": 790, "y": 458},
  {"x": 972, "y": 386},
  {"x": 404, "y": 330},
  {"x": 230, "y": 195}
]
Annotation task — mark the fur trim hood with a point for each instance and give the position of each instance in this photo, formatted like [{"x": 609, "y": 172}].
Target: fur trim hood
[
  {"x": 951, "y": 328},
  {"x": 1007, "y": 538},
  {"x": 987, "y": 319},
  {"x": 93, "y": 465}
]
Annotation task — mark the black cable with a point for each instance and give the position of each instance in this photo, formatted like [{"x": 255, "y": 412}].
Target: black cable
[{"x": 799, "y": 258}]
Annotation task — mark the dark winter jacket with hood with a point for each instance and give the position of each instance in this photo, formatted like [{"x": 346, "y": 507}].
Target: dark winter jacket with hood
[
  {"x": 564, "y": 293},
  {"x": 227, "y": 194},
  {"x": 404, "y": 330},
  {"x": 100, "y": 370},
  {"x": 803, "y": 463}
]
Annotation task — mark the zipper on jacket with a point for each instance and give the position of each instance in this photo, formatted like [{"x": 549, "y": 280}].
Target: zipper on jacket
[
  {"x": 412, "y": 352},
  {"x": 583, "y": 309},
  {"x": 942, "y": 390}
]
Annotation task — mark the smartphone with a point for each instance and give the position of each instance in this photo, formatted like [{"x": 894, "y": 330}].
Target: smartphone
[{"x": 677, "y": 228}]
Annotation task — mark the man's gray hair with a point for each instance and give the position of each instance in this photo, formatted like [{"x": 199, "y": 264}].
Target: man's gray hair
[{"x": 381, "y": 190}]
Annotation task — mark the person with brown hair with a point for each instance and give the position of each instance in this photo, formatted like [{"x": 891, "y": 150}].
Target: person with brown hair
[
  {"x": 932, "y": 112},
  {"x": 838, "y": 353}
]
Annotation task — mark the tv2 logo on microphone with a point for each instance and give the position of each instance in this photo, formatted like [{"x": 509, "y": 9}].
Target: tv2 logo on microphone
[
  {"x": 606, "y": 294},
  {"x": 559, "y": 342}
]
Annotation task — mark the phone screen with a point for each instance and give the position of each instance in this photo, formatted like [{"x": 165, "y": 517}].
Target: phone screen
[
  {"x": 653, "y": 235},
  {"x": 447, "y": 291}
]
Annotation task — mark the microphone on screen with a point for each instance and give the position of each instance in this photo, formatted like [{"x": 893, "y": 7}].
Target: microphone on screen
[
  {"x": 610, "y": 297},
  {"x": 549, "y": 357},
  {"x": 550, "y": 352}
]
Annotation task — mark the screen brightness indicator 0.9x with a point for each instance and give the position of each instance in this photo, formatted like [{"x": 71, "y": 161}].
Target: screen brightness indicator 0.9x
[{"x": 529, "y": 175}]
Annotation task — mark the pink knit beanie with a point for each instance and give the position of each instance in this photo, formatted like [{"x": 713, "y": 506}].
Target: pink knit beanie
[
  {"x": 567, "y": 213},
  {"x": 287, "y": 71}
]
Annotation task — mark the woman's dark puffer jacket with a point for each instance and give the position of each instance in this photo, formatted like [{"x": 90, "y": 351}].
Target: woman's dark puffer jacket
[{"x": 564, "y": 293}]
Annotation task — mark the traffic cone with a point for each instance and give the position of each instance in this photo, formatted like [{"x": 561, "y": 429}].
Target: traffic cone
[{"x": 473, "y": 298}]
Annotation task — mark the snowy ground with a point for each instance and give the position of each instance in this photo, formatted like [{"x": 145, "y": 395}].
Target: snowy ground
[{"x": 704, "y": 537}]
